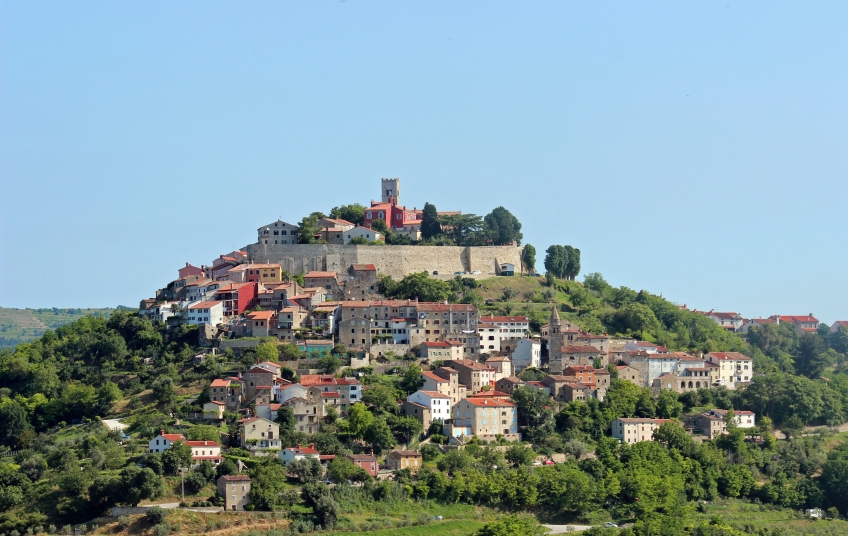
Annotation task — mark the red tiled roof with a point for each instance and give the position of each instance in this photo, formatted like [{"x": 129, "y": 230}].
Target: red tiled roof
[
  {"x": 434, "y": 377},
  {"x": 730, "y": 355},
  {"x": 434, "y": 394},
  {"x": 430, "y": 306},
  {"x": 261, "y": 315},
  {"x": 522, "y": 319},
  {"x": 202, "y": 444},
  {"x": 796, "y": 319},
  {"x": 436, "y": 344},
  {"x": 302, "y": 450},
  {"x": 364, "y": 267},
  {"x": 581, "y": 349},
  {"x": 205, "y": 305},
  {"x": 173, "y": 437},
  {"x": 220, "y": 383},
  {"x": 486, "y": 402},
  {"x": 489, "y": 394},
  {"x": 320, "y": 275}
]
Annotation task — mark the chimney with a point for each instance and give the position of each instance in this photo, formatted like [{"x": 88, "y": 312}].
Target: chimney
[
  {"x": 312, "y": 445},
  {"x": 298, "y": 445}
]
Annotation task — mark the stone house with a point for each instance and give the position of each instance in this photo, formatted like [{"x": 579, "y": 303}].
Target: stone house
[
  {"x": 419, "y": 411},
  {"x": 307, "y": 413},
  {"x": 450, "y": 322},
  {"x": 235, "y": 489},
  {"x": 444, "y": 380},
  {"x": 257, "y": 377},
  {"x": 631, "y": 374},
  {"x": 213, "y": 411},
  {"x": 485, "y": 419},
  {"x": 278, "y": 232},
  {"x": 363, "y": 232},
  {"x": 711, "y": 423},
  {"x": 440, "y": 351},
  {"x": 509, "y": 384},
  {"x": 228, "y": 391},
  {"x": 438, "y": 403},
  {"x": 288, "y": 321},
  {"x": 257, "y": 433},
  {"x": 634, "y": 430},
  {"x": 574, "y": 356},
  {"x": 580, "y": 373},
  {"x": 404, "y": 459},
  {"x": 473, "y": 375},
  {"x": 502, "y": 366}
]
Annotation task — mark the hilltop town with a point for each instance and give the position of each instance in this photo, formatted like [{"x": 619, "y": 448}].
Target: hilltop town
[{"x": 335, "y": 368}]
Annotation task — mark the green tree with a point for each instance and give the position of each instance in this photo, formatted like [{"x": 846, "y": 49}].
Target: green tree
[
  {"x": 528, "y": 257},
  {"x": 812, "y": 358},
  {"x": 572, "y": 269},
  {"x": 418, "y": 286},
  {"x": 834, "y": 481},
  {"x": 107, "y": 394},
  {"x": 164, "y": 391},
  {"x": 342, "y": 470},
  {"x": 381, "y": 398},
  {"x": 412, "y": 379},
  {"x": 430, "y": 226},
  {"x": 354, "y": 213},
  {"x": 519, "y": 455},
  {"x": 203, "y": 432},
  {"x": 406, "y": 428},
  {"x": 13, "y": 421},
  {"x": 465, "y": 229},
  {"x": 176, "y": 457},
  {"x": 556, "y": 261},
  {"x": 308, "y": 227},
  {"x": 329, "y": 363},
  {"x": 534, "y": 415},
  {"x": 502, "y": 227},
  {"x": 136, "y": 484},
  {"x": 669, "y": 405},
  {"x": 379, "y": 435},
  {"x": 306, "y": 469},
  {"x": 639, "y": 317},
  {"x": 358, "y": 420}
]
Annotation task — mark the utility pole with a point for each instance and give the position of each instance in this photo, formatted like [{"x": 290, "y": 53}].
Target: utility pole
[{"x": 182, "y": 482}]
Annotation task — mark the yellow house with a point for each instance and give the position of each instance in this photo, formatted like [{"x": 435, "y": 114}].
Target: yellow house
[
  {"x": 266, "y": 273},
  {"x": 259, "y": 434}
]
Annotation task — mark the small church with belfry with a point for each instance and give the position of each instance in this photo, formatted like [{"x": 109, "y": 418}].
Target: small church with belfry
[{"x": 389, "y": 209}]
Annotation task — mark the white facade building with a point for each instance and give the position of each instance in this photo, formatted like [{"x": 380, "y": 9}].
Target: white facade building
[
  {"x": 206, "y": 312},
  {"x": 439, "y": 404},
  {"x": 528, "y": 353}
]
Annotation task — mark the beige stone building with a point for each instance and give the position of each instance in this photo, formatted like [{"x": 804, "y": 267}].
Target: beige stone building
[
  {"x": 229, "y": 391},
  {"x": 502, "y": 366},
  {"x": 734, "y": 368},
  {"x": 257, "y": 433},
  {"x": 485, "y": 419},
  {"x": 445, "y": 380},
  {"x": 440, "y": 350},
  {"x": 404, "y": 459},
  {"x": 634, "y": 430},
  {"x": 473, "y": 375},
  {"x": 570, "y": 356},
  {"x": 307, "y": 413},
  {"x": 235, "y": 489}
]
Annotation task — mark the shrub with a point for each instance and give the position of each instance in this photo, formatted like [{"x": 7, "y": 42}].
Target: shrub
[
  {"x": 155, "y": 515},
  {"x": 162, "y": 529}
]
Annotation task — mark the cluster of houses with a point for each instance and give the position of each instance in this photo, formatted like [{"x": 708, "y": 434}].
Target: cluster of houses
[
  {"x": 737, "y": 324},
  {"x": 710, "y": 424}
]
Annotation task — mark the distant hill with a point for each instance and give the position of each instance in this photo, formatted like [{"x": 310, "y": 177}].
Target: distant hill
[{"x": 24, "y": 325}]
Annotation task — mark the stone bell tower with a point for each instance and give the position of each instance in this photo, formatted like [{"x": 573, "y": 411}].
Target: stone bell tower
[{"x": 391, "y": 191}]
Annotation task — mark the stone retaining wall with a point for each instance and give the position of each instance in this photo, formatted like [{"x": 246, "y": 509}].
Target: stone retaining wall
[{"x": 395, "y": 261}]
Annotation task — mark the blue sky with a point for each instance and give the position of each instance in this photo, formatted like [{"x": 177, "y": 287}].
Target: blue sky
[{"x": 698, "y": 150}]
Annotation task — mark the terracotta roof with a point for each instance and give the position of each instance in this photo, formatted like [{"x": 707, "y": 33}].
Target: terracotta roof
[
  {"x": 205, "y": 305},
  {"x": 362, "y": 457},
  {"x": 499, "y": 359},
  {"x": 220, "y": 383},
  {"x": 489, "y": 394},
  {"x": 468, "y": 363},
  {"x": 302, "y": 450},
  {"x": 379, "y": 303},
  {"x": 406, "y": 453},
  {"x": 202, "y": 444},
  {"x": 522, "y": 319},
  {"x": 433, "y": 394},
  {"x": 364, "y": 267},
  {"x": 268, "y": 364},
  {"x": 581, "y": 349},
  {"x": 580, "y": 368},
  {"x": 487, "y": 402},
  {"x": 795, "y": 319},
  {"x": 458, "y": 307},
  {"x": 172, "y": 437},
  {"x": 331, "y": 395},
  {"x": 322, "y": 275},
  {"x": 735, "y": 356},
  {"x": 436, "y": 344},
  {"x": 641, "y": 421},
  {"x": 261, "y": 315},
  {"x": 434, "y": 377}
]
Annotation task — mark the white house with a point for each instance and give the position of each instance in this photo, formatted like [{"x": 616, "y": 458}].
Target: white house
[
  {"x": 363, "y": 232},
  {"x": 163, "y": 441},
  {"x": 278, "y": 232},
  {"x": 268, "y": 411},
  {"x": 205, "y": 451},
  {"x": 283, "y": 393},
  {"x": 439, "y": 404},
  {"x": 161, "y": 311},
  {"x": 199, "y": 290},
  {"x": 528, "y": 353},
  {"x": 642, "y": 346},
  {"x": 729, "y": 321},
  {"x": 298, "y": 453},
  {"x": 206, "y": 312},
  {"x": 635, "y": 430}
]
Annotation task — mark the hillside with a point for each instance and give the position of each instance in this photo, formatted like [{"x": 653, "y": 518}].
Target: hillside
[{"x": 23, "y": 325}]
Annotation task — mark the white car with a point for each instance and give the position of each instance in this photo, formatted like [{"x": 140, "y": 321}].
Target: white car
[{"x": 476, "y": 272}]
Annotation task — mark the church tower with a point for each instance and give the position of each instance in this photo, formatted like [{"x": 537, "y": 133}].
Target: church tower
[
  {"x": 391, "y": 191},
  {"x": 556, "y": 340}
]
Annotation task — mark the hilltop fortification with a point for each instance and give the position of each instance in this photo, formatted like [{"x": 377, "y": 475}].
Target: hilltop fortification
[{"x": 395, "y": 261}]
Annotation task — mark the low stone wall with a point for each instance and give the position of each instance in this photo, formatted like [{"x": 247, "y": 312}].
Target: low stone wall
[
  {"x": 117, "y": 511},
  {"x": 239, "y": 343},
  {"x": 400, "y": 350}
]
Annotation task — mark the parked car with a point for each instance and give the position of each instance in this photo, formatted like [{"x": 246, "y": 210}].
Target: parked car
[
  {"x": 435, "y": 272},
  {"x": 476, "y": 272},
  {"x": 610, "y": 525},
  {"x": 459, "y": 273}
]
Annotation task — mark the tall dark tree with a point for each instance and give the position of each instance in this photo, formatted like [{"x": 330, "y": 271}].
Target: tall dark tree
[
  {"x": 572, "y": 269},
  {"x": 430, "y": 226},
  {"x": 556, "y": 261},
  {"x": 528, "y": 257},
  {"x": 308, "y": 227},
  {"x": 503, "y": 227},
  {"x": 812, "y": 357},
  {"x": 13, "y": 421}
]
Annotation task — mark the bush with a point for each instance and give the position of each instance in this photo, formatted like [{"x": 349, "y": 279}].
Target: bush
[
  {"x": 162, "y": 529},
  {"x": 155, "y": 515},
  {"x": 124, "y": 521}
]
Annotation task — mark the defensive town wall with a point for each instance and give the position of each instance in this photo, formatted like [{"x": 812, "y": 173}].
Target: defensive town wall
[{"x": 395, "y": 261}]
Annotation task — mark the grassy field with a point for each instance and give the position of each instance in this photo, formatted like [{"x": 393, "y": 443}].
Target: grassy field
[
  {"x": 750, "y": 518},
  {"x": 23, "y": 325}
]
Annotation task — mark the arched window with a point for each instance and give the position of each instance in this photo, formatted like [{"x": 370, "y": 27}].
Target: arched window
[
  {"x": 683, "y": 385},
  {"x": 697, "y": 385},
  {"x": 690, "y": 385}
]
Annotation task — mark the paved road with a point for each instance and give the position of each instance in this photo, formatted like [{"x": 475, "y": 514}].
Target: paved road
[{"x": 564, "y": 529}]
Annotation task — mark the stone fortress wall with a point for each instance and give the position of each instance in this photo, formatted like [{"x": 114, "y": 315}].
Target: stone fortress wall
[{"x": 395, "y": 261}]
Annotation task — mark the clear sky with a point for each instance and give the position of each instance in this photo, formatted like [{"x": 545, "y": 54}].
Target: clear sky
[{"x": 693, "y": 149}]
